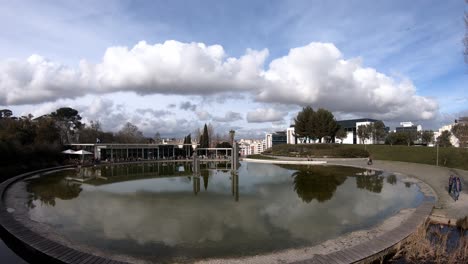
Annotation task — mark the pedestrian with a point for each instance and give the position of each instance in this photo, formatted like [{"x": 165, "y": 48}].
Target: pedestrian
[
  {"x": 457, "y": 187},
  {"x": 451, "y": 178},
  {"x": 369, "y": 160}
]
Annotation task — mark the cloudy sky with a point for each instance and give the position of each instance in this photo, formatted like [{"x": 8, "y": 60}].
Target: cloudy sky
[{"x": 171, "y": 66}]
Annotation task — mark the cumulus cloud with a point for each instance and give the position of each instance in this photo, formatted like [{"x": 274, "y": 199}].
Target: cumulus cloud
[
  {"x": 188, "y": 106},
  {"x": 264, "y": 115},
  {"x": 316, "y": 74}
]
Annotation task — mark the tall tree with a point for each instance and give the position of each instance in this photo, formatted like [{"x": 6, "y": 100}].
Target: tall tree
[
  {"x": 205, "y": 138},
  {"x": 378, "y": 131},
  {"x": 444, "y": 139},
  {"x": 130, "y": 134},
  {"x": 325, "y": 125},
  {"x": 364, "y": 132},
  {"x": 341, "y": 134},
  {"x": 68, "y": 122},
  {"x": 460, "y": 131},
  {"x": 157, "y": 138},
  {"x": 188, "y": 145},
  {"x": 427, "y": 136},
  {"x": 304, "y": 124}
]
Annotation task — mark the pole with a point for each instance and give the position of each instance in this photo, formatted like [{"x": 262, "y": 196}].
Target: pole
[{"x": 437, "y": 159}]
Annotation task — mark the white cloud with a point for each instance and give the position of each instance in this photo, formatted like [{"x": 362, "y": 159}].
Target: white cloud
[
  {"x": 315, "y": 74},
  {"x": 318, "y": 75},
  {"x": 265, "y": 115}
]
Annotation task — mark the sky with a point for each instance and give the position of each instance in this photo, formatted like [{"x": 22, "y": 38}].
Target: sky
[{"x": 172, "y": 66}]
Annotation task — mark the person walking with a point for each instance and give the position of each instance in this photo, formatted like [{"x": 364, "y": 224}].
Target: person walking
[{"x": 451, "y": 178}]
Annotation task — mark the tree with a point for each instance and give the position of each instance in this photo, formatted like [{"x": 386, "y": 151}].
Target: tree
[
  {"x": 130, "y": 134},
  {"x": 5, "y": 113},
  {"x": 427, "y": 136},
  {"x": 188, "y": 148},
  {"x": 304, "y": 124},
  {"x": 325, "y": 125},
  {"x": 46, "y": 131},
  {"x": 378, "y": 131},
  {"x": 68, "y": 122},
  {"x": 341, "y": 134},
  {"x": 411, "y": 136},
  {"x": 444, "y": 139},
  {"x": 460, "y": 131},
  {"x": 157, "y": 138},
  {"x": 205, "y": 138},
  {"x": 364, "y": 132},
  {"x": 92, "y": 133}
]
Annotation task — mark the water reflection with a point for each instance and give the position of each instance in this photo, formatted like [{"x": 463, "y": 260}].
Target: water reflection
[
  {"x": 370, "y": 180},
  {"x": 47, "y": 189},
  {"x": 162, "y": 214},
  {"x": 310, "y": 185}
]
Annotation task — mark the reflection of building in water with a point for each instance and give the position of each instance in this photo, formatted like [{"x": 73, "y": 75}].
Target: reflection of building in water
[{"x": 367, "y": 173}]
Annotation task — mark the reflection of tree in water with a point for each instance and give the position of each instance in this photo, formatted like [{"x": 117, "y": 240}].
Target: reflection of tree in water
[
  {"x": 373, "y": 182},
  {"x": 392, "y": 179},
  {"x": 318, "y": 182},
  {"x": 206, "y": 175},
  {"x": 47, "y": 188}
]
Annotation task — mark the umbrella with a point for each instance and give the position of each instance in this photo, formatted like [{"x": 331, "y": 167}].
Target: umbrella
[{"x": 68, "y": 151}]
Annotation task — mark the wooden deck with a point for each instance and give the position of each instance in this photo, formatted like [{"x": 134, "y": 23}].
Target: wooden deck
[
  {"x": 60, "y": 253},
  {"x": 377, "y": 245}
]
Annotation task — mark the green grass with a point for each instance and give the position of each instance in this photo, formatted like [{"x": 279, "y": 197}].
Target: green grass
[
  {"x": 448, "y": 157},
  {"x": 318, "y": 151}
]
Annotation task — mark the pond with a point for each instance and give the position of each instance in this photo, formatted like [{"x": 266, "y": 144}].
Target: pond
[{"x": 161, "y": 211}]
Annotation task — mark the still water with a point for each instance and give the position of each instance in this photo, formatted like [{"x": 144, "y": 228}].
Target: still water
[{"x": 161, "y": 211}]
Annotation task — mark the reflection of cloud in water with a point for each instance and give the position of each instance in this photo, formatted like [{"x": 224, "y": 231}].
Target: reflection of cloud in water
[{"x": 269, "y": 214}]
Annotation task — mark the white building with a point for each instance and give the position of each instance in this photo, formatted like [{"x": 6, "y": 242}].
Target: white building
[
  {"x": 290, "y": 136},
  {"x": 268, "y": 140},
  {"x": 251, "y": 146},
  {"x": 453, "y": 139},
  {"x": 351, "y": 127}
]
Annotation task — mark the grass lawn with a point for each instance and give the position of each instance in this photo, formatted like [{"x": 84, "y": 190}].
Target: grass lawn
[{"x": 448, "y": 157}]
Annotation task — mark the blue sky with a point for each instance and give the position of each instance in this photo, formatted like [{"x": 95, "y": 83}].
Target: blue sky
[{"x": 170, "y": 66}]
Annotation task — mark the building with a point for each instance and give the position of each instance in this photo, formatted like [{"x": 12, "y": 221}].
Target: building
[
  {"x": 251, "y": 146},
  {"x": 279, "y": 137},
  {"x": 351, "y": 127},
  {"x": 290, "y": 135},
  {"x": 268, "y": 141},
  {"x": 453, "y": 140},
  {"x": 408, "y": 127}
]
